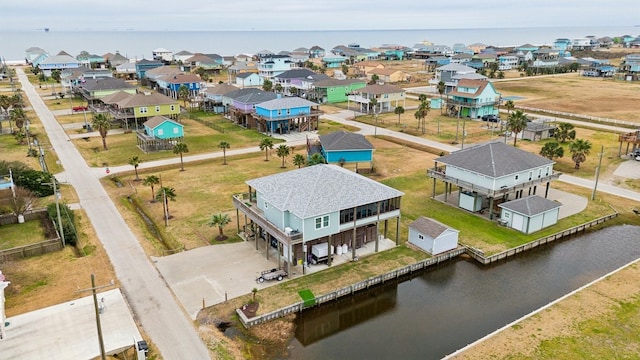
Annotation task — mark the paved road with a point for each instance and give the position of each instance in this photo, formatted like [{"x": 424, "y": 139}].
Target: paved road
[{"x": 147, "y": 294}]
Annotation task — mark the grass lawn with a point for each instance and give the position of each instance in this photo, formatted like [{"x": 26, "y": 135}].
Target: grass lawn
[{"x": 14, "y": 235}]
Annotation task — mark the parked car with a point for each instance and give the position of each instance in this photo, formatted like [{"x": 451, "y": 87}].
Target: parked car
[{"x": 490, "y": 118}]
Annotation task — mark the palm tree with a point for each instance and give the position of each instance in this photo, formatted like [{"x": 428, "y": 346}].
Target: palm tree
[
  {"x": 372, "y": 104},
  {"x": 283, "y": 151},
  {"x": 399, "y": 110},
  {"x": 579, "y": 150},
  {"x": 267, "y": 85},
  {"x": 18, "y": 116},
  {"x": 166, "y": 194},
  {"x": 151, "y": 181},
  {"x": 181, "y": 148},
  {"x": 422, "y": 112},
  {"x": 5, "y": 103},
  {"x": 183, "y": 94},
  {"x": 316, "y": 159},
  {"x": 266, "y": 144},
  {"x": 509, "y": 105},
  {"x": 564, "y": 132},
  {"x": 224, "y": 146},
  {"x": 102, "y": 123},
  {"x": 135, "y": 162},
  {"x": 441, "y": 88},
  {"x": 552, "y": 150},
  {"x": 516, "y": 122},
  {"x": 298, "y": 160},
  {"x": 219, "y": 220},
  {"x": 278, "y": 88}
]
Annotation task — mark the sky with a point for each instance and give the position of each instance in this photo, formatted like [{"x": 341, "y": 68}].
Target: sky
[{"x": 312, "y": 15}]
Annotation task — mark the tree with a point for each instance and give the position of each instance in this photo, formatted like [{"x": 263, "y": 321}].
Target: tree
[
  {"x": 283, "y": 151},
  {"x": 135, "y": 162},
  {"x": 509, "y": 105},
  {"x": 181, "y": 148},
  {"x": 298, "y": 160},
  {"x": 372, "y": 104},
  {"x": 552, "y": 150},
  {"x": 278, "y": 88},
  {"x": 374, "y": 79},
  {"x": 23, "y": 200},
  {"x": 579, "y": 150},
  {"x": 441, "y": 88},
  {"x": 183, "y": 94},
  {"x": 345, "y": 69},
  {"x": 315, "y": 159},
  {"x": 564, "y": 132},
  {"x": 102, "y": 123},
  {"x": 516, "y": 122},
  {"x": 399, "y": 110},
  {"x": 224, "y": 146},
  {"x": 422, "y": 112},
  {"x": 55, "y": 75},
  {"x": 220, "y": 220},
  {"x": 266, "y": 144},
  {"x": 151, "y": 181},
  {"x": 18, "y": 116},
  {"x": 267, "y": 85},
  {"x": 166, "y": 194},
  {"x": 5, "y": 103}
]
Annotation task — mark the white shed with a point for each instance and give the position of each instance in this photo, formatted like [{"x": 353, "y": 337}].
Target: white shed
[
  {"x": 432, "y": 236},
  {"x": 530, "y": 214}
]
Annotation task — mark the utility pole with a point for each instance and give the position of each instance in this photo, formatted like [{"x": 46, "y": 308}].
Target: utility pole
[
  {"x": 93, "y": 289},
  {"x": 595, "y": 185},
  {"x": 55, "y": 193}
]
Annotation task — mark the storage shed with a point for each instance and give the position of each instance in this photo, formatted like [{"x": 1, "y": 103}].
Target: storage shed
[
  {"x": 432, "y": 236},
  {"x": 529, "y": 214}
]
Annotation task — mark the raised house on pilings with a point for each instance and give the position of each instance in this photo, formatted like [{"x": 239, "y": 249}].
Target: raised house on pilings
[{"x": 322, "y": 205}]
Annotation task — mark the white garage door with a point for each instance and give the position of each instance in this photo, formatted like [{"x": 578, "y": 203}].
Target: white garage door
[{"x": 517, "y": 222}]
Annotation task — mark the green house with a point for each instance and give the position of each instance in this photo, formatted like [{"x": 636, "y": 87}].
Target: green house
[{"x": 334, "y": 90}]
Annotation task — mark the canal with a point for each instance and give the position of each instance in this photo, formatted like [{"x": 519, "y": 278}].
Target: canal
[{"x": 439, "y": 311}]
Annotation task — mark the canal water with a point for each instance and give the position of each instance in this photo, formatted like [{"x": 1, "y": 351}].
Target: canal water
[{"x": 441, "y": 310}]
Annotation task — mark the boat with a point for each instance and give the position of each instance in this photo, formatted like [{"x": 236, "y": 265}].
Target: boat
[{"x": 46, "y": 29}]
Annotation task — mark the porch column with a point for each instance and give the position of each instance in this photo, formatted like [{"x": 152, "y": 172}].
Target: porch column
[
  {"x": 353, "y": 236},
  {"x": 256, "y": 235},
  {"x": 238, "y": 219},
  {"x": 546, "y": 191},
  {"x": 386, "y": 222},
  {"x": 446, "y": 189},
  {"x": 329, "y": 243},
  {"x": 267, "y": 244},
  {"x": 377, "y": 222},
  {"x": 535, "y": 188},
  {"x": 490, "y": 208},
  {"x": 278, "y": 250}
]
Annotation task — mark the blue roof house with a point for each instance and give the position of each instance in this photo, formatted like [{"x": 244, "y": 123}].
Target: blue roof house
[
  {"x": 283, "y": 115},
  {"x": 160, "y": 133}
]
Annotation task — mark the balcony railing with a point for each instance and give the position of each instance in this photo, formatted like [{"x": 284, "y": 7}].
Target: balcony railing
[
  {"x": 440, "y": 174},
  {"x": 242, "y": 203}
]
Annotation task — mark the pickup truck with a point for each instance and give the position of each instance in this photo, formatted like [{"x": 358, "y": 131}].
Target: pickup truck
[{"x": 80, "y": 108}]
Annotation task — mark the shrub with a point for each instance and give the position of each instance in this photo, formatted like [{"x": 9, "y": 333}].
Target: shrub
[{"x": 68, "y": 222}]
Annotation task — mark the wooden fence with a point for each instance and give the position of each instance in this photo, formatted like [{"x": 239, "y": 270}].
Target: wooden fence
[
  {"x": 348, "y": 290},
  {"x": 38, "y": 248},
  {"x": 479, "y": 256}
]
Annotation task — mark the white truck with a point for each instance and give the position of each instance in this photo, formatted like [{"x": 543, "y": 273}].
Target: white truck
[{"x": 320, "y": 253}]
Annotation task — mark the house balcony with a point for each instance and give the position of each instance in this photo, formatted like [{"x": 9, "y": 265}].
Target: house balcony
[
  {"x": 440, "y": 174},
  {"x": 471, "y": 104},
  {"x": 251, "y": 210},
  {"x": 288, "y": 117}
]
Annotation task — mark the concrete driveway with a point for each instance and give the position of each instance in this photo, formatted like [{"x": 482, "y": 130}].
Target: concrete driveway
[{"x": 210, "y": 272}]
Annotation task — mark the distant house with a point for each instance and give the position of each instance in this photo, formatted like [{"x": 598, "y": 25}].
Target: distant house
[
  {"x": 133, "y": 108},
  {"x": 364, "y": 67},
  {"x": 316, "y": 52},
  {"x": 529, "y": 214},
  {"x": 537, "y": 131},
  {"x": 72, "y": 77},
  {"x": 126, "y": 70},
  {"x": 342, "y": 147},
  {"x": 58, "y": 62},
  {"x": 387, "y": 96},
  {"x": 334, "y": 61},
  {"x": 159, "y": 133},
  {"x": 474, "y": 98},
  {"x": 95, "y": 89},
  {"x": 334, "y": 90},
  {"x": 34, "y": 55},
  {"x": 487, "y": 174},
  {"x": 213, "y": 97},
  {"x": 182, "y": 56},
  {"x": 293, "y": 210},
  {"x": 298, "y": 81},
  {"x": 145, "y": 65},
  {"x": 248, "y": 79},
  {"x": 432, "y": 236},
  {"x": 286, "y": 114},
  {"x": 388, "y": 75},
  {"x": 450, "y": 74},
  {"x": 114, "y": 61},
  {"x": 162, "y": 54},
  {"x": 241, "y": 105},
  {"x": 171, "y": 84},
  {"x": 271, "y": 65},
  {"x": 92, "y": 61}
]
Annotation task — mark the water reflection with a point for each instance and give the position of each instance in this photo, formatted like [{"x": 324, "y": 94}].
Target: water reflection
[{"x": 444, "y": 309}]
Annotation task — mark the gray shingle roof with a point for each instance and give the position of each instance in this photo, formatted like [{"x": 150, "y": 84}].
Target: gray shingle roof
[
  {"x": 495, "y": 159},
  {"x": 320, "y": 189},
  {"x": 287, "y": 102},
  {"x": 301, "y": 74},
  {"x": 251, "y": 95},
  {"x": 429, "y": 227},
  {"x": 530, "y": 205},
  {"x": 337, "y": 82},
  {"x": 342, "y": 140},
  {"x": 106, "y": 84}
]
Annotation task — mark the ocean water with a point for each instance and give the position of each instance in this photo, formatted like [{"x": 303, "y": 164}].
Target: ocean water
[{"x": 140, "y": 44}]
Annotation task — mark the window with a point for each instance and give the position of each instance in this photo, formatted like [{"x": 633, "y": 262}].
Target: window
[
  {"x": 322, "y": 222},
  {"x": 157, "y": 108},
  {"x": 173, "y": 107},
  {"x": 516, "y": 177},
  {"x": 176, "y": 130},
  {"x": 506, "y": 215},
  {"x": 266, "y": 205},
  {"x": 143, "y": 110},
  {"x": 420, "y": 237},
  {"x": 160, "y": 132}
]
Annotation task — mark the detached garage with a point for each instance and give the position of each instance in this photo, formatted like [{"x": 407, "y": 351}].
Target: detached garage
[
  {"x": 529, "y": 214},
  {"x": 432, "y": 236}
]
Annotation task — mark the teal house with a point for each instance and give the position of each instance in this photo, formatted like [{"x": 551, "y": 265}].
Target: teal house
[
  {"x": 474, "y": 98},
  {"x": 286, "y": 114},
  {"x": 334, "y": 61},
  {"x": 342, "y": 147},
  {"x": 160, "y": 133},
  {"x": 335, "y": 91}
]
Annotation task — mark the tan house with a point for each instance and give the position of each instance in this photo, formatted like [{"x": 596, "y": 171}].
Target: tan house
[
  {"x": 387, "y": 97},
  {"x": 388, "y": 75},
  {"x": 364, "y": 67}
]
